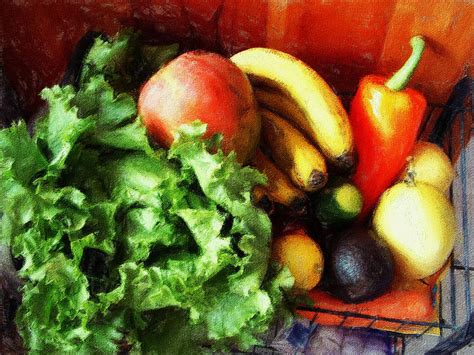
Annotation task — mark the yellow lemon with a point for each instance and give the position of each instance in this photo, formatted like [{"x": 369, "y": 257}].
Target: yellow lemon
[
  {"x": 303, "y": 257},
  {"x": 431, "y": 165}
]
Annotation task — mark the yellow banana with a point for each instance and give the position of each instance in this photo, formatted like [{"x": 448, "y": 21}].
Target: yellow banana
[
  {"x": 281, "y": 104},
  {"x": 326, "y": 120},
  {"x": 293, "y": 153},
  {"x": 279, "y": 187}
]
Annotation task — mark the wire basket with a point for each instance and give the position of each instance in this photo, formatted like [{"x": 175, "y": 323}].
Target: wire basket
[{"x": 451, "y": 126}]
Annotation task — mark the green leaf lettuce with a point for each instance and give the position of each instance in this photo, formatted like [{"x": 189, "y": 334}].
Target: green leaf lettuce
[{"x": 125, "y": 246}]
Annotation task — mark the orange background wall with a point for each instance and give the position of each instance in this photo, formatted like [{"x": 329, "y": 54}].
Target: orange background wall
[{"x": 343, "y": 40}]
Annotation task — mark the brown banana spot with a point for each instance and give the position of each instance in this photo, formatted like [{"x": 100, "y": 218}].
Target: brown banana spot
[
  {"x": 317, "y": 179},
  {"x": 346, "y": 162}
]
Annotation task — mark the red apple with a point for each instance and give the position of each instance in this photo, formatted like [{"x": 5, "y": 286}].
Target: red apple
[{"x": 202, "y": 86}]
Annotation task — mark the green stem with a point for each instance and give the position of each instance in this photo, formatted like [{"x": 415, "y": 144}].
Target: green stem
[{"x": 400, "y": 79}]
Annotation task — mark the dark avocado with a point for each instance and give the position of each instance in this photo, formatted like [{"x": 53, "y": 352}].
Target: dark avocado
[{"x": 360, "y": 267}]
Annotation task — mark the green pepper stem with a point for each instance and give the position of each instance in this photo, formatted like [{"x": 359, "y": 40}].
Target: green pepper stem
[{"x": 400, "y": 79}]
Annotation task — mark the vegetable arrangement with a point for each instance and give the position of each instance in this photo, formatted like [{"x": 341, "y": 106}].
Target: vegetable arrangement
[
  {"x": 121, "y": 243},
  {"x": 136, "y": 220}
]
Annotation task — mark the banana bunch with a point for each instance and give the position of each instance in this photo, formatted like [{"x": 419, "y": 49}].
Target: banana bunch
[{"x": 304, "y": 125}]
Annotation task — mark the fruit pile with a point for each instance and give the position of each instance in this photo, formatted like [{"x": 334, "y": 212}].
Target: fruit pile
[
  {"x": 359, "y": 205},
  {"x": 305, "y": 134}
]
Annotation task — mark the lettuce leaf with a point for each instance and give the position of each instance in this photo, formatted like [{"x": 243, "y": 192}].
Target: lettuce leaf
[
  {"x": 17, "y": 148},
  {"x": 124, "y": 246}
]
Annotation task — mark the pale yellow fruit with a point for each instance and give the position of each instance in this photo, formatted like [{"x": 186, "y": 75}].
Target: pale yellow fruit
[
  {"x": 431, "y": 165},
  {"x": 418, "y": 223},
  {"x": 303, "y": 257},
  {"x": 326, "y": 120}
]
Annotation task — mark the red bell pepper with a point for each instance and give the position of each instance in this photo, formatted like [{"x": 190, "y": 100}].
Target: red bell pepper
[{"x": 385, "y": 118}]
